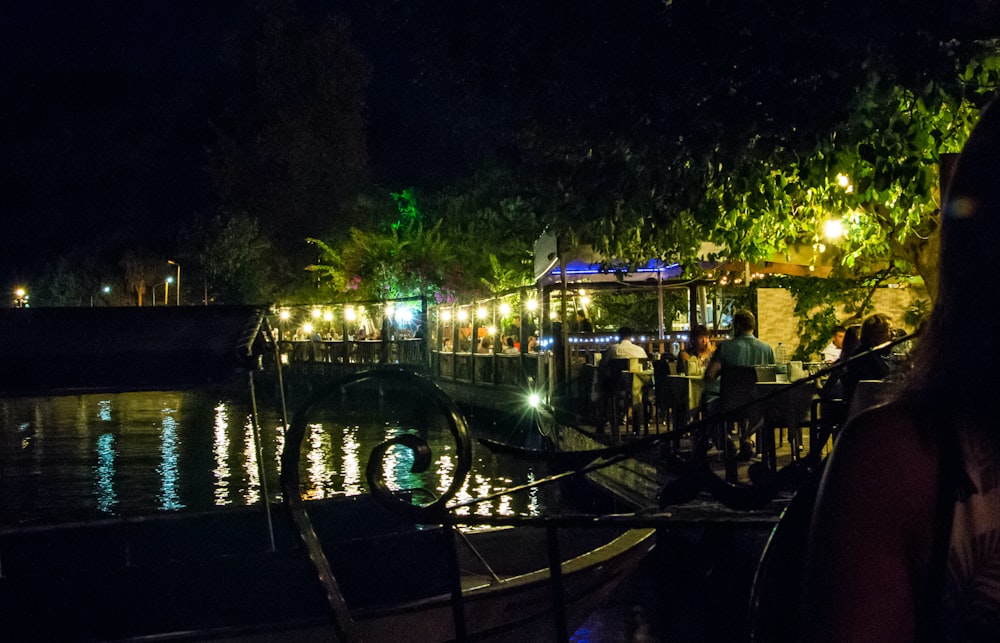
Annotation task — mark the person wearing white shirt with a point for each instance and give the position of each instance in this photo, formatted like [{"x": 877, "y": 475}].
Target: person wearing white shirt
[
  {"x": 625, "y": 349},
  {"x": 832, "y": 351}
]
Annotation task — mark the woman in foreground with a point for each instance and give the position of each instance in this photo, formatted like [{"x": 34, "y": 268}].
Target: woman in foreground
[{"x": 905, "y": 539}]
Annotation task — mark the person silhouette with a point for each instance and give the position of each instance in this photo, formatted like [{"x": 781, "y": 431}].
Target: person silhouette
[{"x": 910, "y": 498}]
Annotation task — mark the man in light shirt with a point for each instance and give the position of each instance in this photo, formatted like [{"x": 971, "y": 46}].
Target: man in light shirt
[
  {"x": 624, "y": 349},
  {"x": 832, "y": 351}
]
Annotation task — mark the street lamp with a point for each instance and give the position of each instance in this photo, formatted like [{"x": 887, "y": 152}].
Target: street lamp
[
  {"x": 106, "y": 290},
  {"x": 178, "y": 296},
  {"x": 20, "y": 298},
  {"x": 166, "y": 290}
]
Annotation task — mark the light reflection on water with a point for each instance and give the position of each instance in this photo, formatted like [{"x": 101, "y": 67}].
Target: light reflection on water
[{"x": 128, "y": 454}]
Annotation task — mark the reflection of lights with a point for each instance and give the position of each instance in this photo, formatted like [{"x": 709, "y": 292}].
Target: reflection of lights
[
  {"x": 316, "y": 313},
  {"x": 404, "y": 315},
  {"x": 352, "y": 463},
  {"x": 220, "y": 449},
  {"x": 319, "y": 469},
  {"x": 284, "y": 358},
  {"x": 483, "y": 488},
  {"x": 105, "y": 473},
  {"x": 534, "y": 503},
  {"x": 169, "y": 497},
  {"x": 104, "y": 410},
  {"x": 252, "y": 492},
  {"x": 584, "y": 300},
  {"x": 504, "y": 309},
  {"x": 446, "y": 475}
]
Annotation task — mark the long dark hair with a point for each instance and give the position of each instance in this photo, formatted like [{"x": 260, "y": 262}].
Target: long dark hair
[{"x": 967, "y": 288}]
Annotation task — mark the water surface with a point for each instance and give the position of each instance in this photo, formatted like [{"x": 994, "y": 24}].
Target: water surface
[{"x": 75, "y": 457}]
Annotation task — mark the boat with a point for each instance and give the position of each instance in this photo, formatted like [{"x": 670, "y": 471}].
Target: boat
[{"x": 216, "y": 576}]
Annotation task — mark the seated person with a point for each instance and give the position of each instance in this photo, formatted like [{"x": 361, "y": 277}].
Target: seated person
[
  {"x": 831, "y": 353},
  {"x": 532, "y": 344},
  {"x": 485, "y": 346},
  {"x": 742, "y": 350},
  {"x": 510, "y": 348},
  {"x": 446, "y": 345},
  {"x": 697, "y": 352},
  {"x": 833, "y": 387},
  {"x": 876, "y": 330},
  {"x": 624, "y": 349}
]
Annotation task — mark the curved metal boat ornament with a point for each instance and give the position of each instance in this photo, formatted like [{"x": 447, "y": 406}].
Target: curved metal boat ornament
[
  {"x": 344, "y": 624},
  {"x": 403, "y": 500}
]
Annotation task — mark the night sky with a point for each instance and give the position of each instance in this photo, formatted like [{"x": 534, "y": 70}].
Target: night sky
[
  {"x": 104, "y": 120},
  {"x": 108, "y": 106}
]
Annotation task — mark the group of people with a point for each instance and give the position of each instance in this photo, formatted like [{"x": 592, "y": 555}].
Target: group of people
[{"x": 847, "y": 343}]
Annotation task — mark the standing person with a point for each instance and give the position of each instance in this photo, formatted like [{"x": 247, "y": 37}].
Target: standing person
[
  {"x": 583, "y": 324},
  {"x": 624, "y": 349},
  {"x": 900, "y": 546},
  {"x": 831, "y": 353}
]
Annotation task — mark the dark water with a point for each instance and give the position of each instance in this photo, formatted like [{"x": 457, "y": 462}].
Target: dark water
[{"x": 127, "y": 454}]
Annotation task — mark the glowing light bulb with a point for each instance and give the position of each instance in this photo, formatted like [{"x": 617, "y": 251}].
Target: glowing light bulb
[{"x": 833, "y": 229}]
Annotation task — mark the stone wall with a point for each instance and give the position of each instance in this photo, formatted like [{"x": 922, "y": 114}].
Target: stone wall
[{"x": 777, "y": 322}]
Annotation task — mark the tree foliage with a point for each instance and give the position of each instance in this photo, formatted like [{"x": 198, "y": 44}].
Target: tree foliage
[
  {"x": 235, "y": 258},
  {"x": 291, "y": 145}
]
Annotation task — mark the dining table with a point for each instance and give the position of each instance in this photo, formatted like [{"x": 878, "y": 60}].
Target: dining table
[{"x": 682, "y": 395}]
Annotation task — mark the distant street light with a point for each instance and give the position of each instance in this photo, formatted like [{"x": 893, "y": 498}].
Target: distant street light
[
  {"x": 20, "y": 298},
  {"x": 106, "y": 290},
  {"x": 166, "y": 290},
  {"x": 178, "y": 295}
]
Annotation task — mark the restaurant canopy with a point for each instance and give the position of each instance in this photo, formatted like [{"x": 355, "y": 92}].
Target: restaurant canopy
[{"x": 585, "y": 265}]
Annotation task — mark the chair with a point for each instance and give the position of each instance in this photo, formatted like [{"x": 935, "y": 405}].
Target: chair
[
  {"x": 615, "y": 385},
  {"x": 737, "y": 391},
  {"x": 826, "y": 417}
]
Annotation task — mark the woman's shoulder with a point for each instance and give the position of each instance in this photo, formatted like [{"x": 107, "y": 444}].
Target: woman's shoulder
[{"x": 889, "y": 450}]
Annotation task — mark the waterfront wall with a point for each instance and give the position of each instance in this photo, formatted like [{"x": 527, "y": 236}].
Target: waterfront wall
[{"x": 127, "y": 348}]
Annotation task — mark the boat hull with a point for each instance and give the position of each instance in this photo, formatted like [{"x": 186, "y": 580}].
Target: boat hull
[{"x": 216, "y": 576}]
